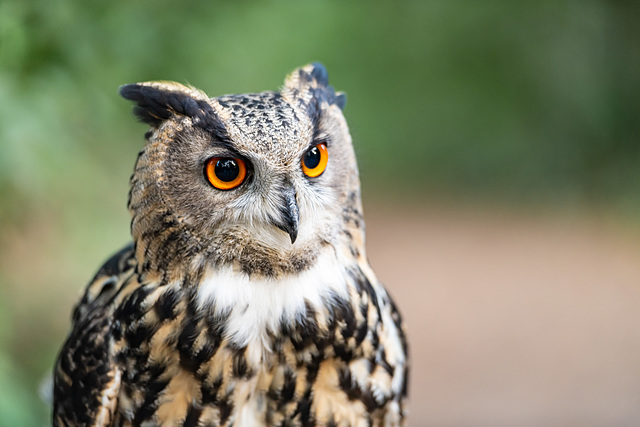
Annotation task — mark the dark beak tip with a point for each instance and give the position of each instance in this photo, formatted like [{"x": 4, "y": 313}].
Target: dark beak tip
[
  {"x": 289, "y": 218},
  {"x": 291, "y": 230}
]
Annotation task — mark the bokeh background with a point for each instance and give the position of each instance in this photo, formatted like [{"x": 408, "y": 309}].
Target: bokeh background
[{"x": 499, "y": 150}]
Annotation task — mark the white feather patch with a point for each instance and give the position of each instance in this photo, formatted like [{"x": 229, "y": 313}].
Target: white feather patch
[{"x": 258, "y": 305}]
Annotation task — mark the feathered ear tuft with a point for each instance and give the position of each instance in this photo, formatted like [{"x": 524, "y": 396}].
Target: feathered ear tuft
[
  {"x": 158, "y": 101},
  {"x": 319, "y": 73},
  {"x": 312, "y": 82}
]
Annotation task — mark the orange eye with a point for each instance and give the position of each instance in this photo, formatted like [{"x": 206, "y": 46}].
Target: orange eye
[
  {"x": 314, "y": 162},
  {"x": 225, "y": 173}
]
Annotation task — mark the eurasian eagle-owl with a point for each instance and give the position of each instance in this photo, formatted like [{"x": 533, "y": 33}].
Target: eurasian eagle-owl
[{"x": 246, "y": 297}]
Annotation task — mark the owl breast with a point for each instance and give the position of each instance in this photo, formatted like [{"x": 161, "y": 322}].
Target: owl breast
[{"x": 323, "y": 346}]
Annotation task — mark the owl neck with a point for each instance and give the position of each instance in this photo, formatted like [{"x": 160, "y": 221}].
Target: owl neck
[
  {"x": 175, "y": 256},
  {"x": 172, "y": 254}
]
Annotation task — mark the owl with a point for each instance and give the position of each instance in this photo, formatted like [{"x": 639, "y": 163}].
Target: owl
[{"x": 246, "y": 297}]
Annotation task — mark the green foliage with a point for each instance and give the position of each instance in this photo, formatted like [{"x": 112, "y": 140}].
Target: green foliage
[{"x": 516, "y": 101}]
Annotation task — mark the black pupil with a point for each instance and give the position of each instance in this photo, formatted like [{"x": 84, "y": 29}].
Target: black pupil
[
  {"x": 227, "y": 170},
  {"x": 312, "y": 158}
]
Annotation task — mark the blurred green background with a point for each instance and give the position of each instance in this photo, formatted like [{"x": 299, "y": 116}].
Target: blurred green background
[{"x": 533, "y": 103}]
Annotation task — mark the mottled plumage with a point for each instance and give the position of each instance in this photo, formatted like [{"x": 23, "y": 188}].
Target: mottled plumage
[{"x": 249, "y": 306}]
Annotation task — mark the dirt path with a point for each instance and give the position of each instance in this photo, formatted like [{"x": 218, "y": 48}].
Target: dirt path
[{"x": 513, "y": 320}]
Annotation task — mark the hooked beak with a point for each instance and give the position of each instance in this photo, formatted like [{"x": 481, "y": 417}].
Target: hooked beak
[{"x": 289, "y": 215}]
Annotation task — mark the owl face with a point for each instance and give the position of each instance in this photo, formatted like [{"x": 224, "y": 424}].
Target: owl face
[{"x": 264, "y": 176}]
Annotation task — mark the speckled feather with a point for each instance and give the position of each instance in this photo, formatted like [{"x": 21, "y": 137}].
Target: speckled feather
[{"x": 212, "y": 316}]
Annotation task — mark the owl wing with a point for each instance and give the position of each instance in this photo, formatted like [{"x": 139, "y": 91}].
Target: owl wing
[{"x": 86, "y": 377}]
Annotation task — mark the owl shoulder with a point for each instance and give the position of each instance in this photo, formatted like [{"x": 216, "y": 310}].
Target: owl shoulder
[{"x": 86, "y": 378}]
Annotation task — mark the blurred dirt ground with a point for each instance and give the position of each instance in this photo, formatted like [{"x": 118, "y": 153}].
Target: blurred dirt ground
[{"x": 514, "y": 319}]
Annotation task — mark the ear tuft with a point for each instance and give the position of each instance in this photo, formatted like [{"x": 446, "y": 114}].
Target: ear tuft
[
  {"x": 311, "y": 82},
  {"x": 158, "y": 101},
  {"x": 320, "y": 74}
]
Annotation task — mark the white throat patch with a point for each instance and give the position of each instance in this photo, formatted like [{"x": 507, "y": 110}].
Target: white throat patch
[{"x": 259, "y": 305}]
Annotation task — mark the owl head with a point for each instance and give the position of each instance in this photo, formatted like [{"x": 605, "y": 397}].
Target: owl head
[{"x": 260, "y": 181}]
